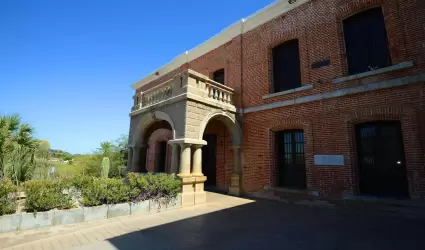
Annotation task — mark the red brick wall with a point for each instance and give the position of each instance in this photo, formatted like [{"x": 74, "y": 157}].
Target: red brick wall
[
  {"x": 328, "y": 124},
  {"x": 224, "y": 154},
  {"x": 157, "y": 136}
]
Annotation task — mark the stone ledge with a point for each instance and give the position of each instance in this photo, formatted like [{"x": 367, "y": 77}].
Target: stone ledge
[
  {"x": 398, "y": 66},
  {"x": 396, "y": 82},
  {"x": 289, "y": 91}
]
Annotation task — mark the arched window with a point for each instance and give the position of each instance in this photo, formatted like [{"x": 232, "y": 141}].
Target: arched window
[
  {"x": 218, "y": 76},
  {"x": 366, "y": 41},
  {"x": 286, "y": 66}
]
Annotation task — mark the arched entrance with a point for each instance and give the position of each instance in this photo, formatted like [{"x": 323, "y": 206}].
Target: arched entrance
[
  {"x": 221, "y": 156},
  {"x": 150, "y": 151},
  {"x": 217, "y": 156}
]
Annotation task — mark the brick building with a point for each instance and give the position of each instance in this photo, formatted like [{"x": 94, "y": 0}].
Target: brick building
[{"x": 307, "y": 99}]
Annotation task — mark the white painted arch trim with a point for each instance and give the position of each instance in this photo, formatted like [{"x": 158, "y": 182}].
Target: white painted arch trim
[
  {"x": 147, "y": 120},
  {"x": 260, "y": 17},
  {"x": 231, "y": 124}
]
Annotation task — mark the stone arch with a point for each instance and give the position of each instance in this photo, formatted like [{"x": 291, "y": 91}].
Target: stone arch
[
  {"x": 146, "y": 121},
  {"x": 230, "y": 122}
]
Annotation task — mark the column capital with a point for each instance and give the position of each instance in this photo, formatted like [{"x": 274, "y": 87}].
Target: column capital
[
  {"x": 236, "y": 147},
  {"x": 187, "y": 141},
  {"x": 196, "y": 146}
]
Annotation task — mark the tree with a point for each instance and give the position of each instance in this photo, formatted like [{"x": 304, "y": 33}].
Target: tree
[{"x": 15, "y": 136}]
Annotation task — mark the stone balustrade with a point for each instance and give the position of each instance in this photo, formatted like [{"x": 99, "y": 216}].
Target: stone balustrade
[
  {"x": 188, "y": 84},
  {"x": 219, "y": 92}
]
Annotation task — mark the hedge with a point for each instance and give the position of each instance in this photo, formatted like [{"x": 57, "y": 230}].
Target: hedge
[
  {"x": 44, "y": 195},
  {"x": 8, "y": 197}
]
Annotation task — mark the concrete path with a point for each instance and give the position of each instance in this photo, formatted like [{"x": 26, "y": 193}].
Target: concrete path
[{"x": 232, "y": 223}]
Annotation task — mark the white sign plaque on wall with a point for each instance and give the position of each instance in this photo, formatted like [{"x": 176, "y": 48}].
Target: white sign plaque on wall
[{"x": 329, "y": 160}]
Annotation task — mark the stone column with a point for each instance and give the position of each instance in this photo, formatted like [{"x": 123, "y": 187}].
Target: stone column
[
  {"x": 129, "y": 158},
  {"x": 174, "y": 158},
  {"x": 184, "y": 160},
  {"x": 197, "y": 160},
  {"x": 139, "y": 159},
  {"x": 234, "y": 188}
]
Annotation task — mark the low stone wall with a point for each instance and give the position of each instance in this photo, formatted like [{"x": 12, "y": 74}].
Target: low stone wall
[{"x": 23, "y": 220}]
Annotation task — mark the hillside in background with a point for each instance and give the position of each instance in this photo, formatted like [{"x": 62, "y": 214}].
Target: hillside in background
[{"x": 60, "y": 154}]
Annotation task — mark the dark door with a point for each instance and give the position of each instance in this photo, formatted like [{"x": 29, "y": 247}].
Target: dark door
[
  {"x": 209, "y": 159},
  {"x": 290, "y": 159},
  {"x": 380, "y": 150},
  {"x": 161, "y": 156}
]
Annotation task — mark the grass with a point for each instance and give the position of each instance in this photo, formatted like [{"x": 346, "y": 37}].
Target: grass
[{"x": 64, "y": 169}]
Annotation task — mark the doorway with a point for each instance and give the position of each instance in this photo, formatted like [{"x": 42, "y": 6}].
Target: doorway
[
  {"x": 161, "y": 156},
  {"x": 382, "y": 170},
  {"x": 209, "y": 160}
]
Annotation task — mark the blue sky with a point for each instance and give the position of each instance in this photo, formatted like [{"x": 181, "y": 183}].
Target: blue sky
[{"x": 66, "y": 66}]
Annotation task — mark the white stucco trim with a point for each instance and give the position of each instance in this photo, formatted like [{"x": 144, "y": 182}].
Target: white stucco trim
[{"x": 246, "y": 24}]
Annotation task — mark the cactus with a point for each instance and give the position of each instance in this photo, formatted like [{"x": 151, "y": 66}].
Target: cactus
[{"x": 105, "y": 167}]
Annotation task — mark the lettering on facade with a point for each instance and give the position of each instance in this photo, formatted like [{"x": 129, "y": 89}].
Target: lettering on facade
[{"x": 329, "y": 160}]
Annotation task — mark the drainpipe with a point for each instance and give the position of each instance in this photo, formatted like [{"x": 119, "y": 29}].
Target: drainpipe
[{"x": 242, "y": 117}]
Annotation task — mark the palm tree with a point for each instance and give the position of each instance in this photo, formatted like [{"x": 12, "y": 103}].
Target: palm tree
[{"x": 15, "y": 135}]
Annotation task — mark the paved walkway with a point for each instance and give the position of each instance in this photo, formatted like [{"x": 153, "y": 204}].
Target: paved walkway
[{"x": 232, "y": 223}]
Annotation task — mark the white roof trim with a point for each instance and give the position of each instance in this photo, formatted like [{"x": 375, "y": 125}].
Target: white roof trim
[{"x": 253, "y": 21}]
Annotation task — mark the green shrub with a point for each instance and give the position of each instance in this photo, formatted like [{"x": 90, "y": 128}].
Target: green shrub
[
  {"x": 44, "y": 195},
  {"x": 94, "y": 193},
  {"x": 153, "y": 186},
  {"x": 7, "y": 197},
  {"x": 104, "y": 191},
  {"x": 117, "y": 191}
]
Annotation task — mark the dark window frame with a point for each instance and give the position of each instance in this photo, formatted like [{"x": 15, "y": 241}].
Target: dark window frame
[
  {"x": 355, "y": 57},
  {"x": 279, "y": 53},
  {"x": 219, "y": 76}
]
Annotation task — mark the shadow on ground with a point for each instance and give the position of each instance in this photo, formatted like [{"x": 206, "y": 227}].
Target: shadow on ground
[{"x": 272, "y": 225}]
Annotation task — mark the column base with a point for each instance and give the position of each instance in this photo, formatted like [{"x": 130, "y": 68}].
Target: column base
[
  {"x": 234, "y": 188},
  {"x": 193, "y": 190}
]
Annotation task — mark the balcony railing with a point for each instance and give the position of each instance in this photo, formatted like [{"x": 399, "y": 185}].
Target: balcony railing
[{"x": 188, "y": 83}]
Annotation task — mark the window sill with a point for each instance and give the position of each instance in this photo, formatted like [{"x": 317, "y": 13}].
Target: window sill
[
  {"x": 289, "y": 91},
  {"x": 294, "y": 191},
  {"x": 398, "y": 66}
]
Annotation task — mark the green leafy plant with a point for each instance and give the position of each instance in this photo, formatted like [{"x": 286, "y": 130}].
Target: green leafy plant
[
  {"x": 117, "y": 191},
  {"x": 44, "y": 195},
  {"x": 105, "y": 167},
  {"x": 153, "y": 186},
  {"x": 94, "y": 193},
  {"x": 8, "y": 196}
]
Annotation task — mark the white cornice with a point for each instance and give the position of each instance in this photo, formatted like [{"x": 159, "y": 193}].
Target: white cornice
[{"x": 246, "y": 24}]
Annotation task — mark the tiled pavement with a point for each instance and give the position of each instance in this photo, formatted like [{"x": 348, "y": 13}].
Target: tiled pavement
[{"x": 233, "y": 223}]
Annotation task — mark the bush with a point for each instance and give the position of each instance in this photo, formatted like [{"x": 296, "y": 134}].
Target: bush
[
  {"x": 153, "y": 186},
  {"x": 104, "y": 191},
  {"x": 44, "y": 195},
  {"x": 7, "y": 197},
  {"x": 93, "y": 193},
  {"x": 117, "y": 191}
]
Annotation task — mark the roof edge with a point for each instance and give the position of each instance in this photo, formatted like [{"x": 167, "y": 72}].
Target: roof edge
[{"x": 260, "y": 17}]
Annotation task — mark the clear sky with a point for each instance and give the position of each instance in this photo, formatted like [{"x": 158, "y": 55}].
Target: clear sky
[{"x": 66, "y": 66}]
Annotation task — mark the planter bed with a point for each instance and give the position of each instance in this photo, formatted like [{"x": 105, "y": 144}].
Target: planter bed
[{"x": 22, "y": 221}]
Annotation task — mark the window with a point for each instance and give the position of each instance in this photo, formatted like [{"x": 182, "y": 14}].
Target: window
[
  {"x": 366, "y": 41},
  {"x": 286, "y": 66},
  {"x": 290, "y": 159},
  {"x": 218, "y": 76}
]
